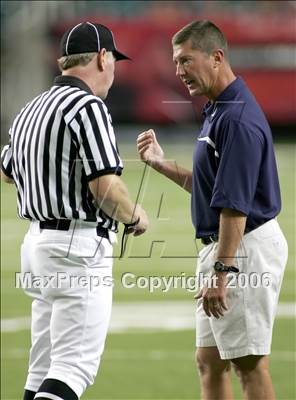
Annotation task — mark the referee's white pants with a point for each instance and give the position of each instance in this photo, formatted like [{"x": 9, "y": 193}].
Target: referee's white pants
[{"x": 69, "y": 276}]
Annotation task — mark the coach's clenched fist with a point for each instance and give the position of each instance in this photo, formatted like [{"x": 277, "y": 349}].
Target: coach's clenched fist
[
  {"x": 148, "y": 148},
  {"x": 152, "y": 154}
]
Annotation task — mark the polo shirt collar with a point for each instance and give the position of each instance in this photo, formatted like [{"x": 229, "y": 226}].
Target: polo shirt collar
[
  {"x": 227, "y": 94},
  {"x": 231, "y": 90},
  {"x": 207, "y": 109},
  {"x": 68, "y": 80}
]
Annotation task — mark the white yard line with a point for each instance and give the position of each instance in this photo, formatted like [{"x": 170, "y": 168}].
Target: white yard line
[
  {"x": 152, "y": 355},
  {"x": 147, "y": 316}
]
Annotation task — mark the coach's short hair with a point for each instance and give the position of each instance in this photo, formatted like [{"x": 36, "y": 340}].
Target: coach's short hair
[
  {"x": 73, "y": 60},
  {"x": 204, "y": 35}
]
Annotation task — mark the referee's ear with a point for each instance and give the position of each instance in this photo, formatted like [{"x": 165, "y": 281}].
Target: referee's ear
[{"x": 101, "y": 59}]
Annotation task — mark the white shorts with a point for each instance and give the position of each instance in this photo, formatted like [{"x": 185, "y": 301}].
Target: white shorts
[
  {"x": 252, "y": 298},
  {"x": 71, "y": 305}
]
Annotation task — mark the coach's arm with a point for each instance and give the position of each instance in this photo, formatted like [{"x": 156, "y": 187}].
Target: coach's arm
[{"x": 112, "y": 197}]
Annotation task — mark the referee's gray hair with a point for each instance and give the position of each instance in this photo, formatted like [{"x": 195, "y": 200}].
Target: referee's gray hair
[
  {"x": 73, "y": 60},
  {"x": 204, "y": 35}
]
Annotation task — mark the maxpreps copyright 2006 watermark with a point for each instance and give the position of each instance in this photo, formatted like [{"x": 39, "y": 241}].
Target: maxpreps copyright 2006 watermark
[
  {"x": 193, "y": 283},
  {"x": 151, "y": 283}
]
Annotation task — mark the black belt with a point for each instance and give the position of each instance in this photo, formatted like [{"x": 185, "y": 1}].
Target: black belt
[
  {"x": 215, "y": 237},
  {"x": 64, "y": 225},
  {"x": 210, "y": 239}
]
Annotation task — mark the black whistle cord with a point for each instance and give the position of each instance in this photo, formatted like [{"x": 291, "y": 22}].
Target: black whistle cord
[{"x": 125, "y": 237}]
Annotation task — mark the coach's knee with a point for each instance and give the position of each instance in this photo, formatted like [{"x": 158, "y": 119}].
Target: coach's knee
[
  {"x": 249, "y": 367},
  {"x": 209, "y": 362}
]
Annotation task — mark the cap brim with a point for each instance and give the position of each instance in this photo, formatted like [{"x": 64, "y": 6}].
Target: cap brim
[{"x": 120, "y": 56}]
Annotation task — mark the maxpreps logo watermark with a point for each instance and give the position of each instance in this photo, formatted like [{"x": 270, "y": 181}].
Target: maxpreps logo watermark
[
  {"x": 150, "y": 283},
  {"x": 61, "y": 280}
]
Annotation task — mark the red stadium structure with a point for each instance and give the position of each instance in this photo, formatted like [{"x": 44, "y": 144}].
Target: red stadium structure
[{"x": 262, "y": 51}]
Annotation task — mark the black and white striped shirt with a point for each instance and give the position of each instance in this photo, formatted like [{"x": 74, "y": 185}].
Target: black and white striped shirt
[{"x": 58, "y": 143}]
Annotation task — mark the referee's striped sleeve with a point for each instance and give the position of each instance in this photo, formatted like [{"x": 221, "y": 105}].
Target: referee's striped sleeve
[
  {"x": 95, "y": 148},
  {"x": 6, "y": 160}
]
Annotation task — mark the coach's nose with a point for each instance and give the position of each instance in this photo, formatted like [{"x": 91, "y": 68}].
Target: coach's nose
[{"x": 179, "y": 70}]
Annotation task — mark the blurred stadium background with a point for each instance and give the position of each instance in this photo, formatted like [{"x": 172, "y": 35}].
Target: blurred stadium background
[{"x": 149, "y": 351}]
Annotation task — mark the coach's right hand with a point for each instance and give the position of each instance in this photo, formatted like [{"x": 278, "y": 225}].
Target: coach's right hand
[{"x": 149, "y": 149}]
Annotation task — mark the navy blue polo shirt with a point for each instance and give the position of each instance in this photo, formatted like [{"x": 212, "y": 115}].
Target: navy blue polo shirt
[{"x": 234, "y": 163}]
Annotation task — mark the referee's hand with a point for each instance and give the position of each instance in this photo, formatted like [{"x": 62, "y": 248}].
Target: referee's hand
[{"x": 142, "y": 225}]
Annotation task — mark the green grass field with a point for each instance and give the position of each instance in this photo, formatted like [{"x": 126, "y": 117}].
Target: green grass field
[{"x": 149, "y": 364}]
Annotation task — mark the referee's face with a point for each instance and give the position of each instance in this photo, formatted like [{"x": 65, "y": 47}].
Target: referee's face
[{"x": 196, "y": 69}]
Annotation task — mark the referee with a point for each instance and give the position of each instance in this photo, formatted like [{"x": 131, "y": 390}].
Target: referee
[{"x": 63, "y": 159}]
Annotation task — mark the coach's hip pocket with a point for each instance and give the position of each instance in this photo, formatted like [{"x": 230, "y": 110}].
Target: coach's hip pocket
[{"x": 207, "y": 258}]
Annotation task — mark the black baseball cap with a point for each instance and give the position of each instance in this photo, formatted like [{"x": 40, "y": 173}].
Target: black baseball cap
[{"x": 88, "y": 37}]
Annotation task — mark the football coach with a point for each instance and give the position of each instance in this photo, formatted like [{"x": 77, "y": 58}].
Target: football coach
[{"x": 235, "y": 196}]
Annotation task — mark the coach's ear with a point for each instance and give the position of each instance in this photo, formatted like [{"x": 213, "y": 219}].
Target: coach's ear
[
  {"x": 218, "y": 57},
  {"x": 101, "y": 57}
]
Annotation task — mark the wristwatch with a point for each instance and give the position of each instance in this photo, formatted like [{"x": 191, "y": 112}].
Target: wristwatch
[{"x": 219, "y": 266}]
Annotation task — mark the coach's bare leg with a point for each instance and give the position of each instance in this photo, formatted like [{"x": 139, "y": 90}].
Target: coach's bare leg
[
  {"x": 254, "y": 374},
  {"x": 214, "y": 374}
]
